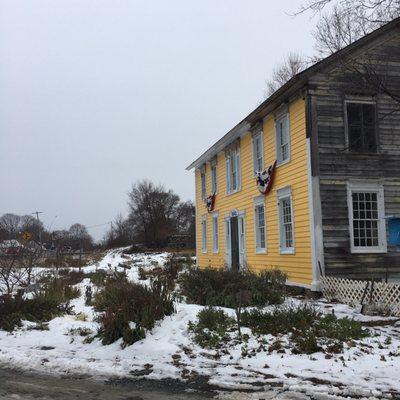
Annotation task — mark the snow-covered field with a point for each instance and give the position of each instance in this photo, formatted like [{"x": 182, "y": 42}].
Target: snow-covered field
[{"x": 370, "y": 369}]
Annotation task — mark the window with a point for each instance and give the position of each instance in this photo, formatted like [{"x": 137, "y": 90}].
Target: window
[
  {"x": 215, "y": 232},
  {"x": 361, "y": 126},
  {"x": 259, "y": 224},
  {"x": 214, "y": 178},
  {"x": 366, "y": 216},
  {"x": 282, "y": 139},
  {"x": 286, "y": 221},
  {"x": 204, "y": 234},
  {"x": 232, "y": 171},
  {"x": 258, "y": 158},
  {"x": 203, "y": 183}
]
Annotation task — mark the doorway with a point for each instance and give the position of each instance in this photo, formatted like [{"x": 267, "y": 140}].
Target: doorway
[
  {"x": 235, "y": 240},
  {"x": 235, "y": 263}
]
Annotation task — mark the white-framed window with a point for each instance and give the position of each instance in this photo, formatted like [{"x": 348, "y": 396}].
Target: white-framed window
[
  {"x": 203, "y": 183},
  {"x": 242, "y": 240},
  {"x": 204, "y": 234},
  {"x": 215, "y": 233},
  {"x": 233, "y": 171},
  {"x": 258, "y": 152},
  {"x": 214, "y": 178},
  {"x": 361, "y": 126},
  {"x": 259, "y": 224},
  {"x": 282, "y": 131},
  {"x": 366, "y": 206},
  {"x": 286, "y": 229}
]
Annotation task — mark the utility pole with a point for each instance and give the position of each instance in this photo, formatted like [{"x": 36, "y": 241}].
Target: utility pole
[{"x": 40, "y": 231}]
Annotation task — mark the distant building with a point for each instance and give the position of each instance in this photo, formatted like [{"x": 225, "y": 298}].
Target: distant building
[{"x": 11, "y": 247}]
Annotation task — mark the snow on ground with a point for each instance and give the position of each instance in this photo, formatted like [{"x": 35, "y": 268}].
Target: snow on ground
[{"x": 372, "y": 368}]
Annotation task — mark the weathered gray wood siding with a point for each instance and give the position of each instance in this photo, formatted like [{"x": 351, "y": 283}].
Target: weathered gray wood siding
[{"x": 335, "y": 165}]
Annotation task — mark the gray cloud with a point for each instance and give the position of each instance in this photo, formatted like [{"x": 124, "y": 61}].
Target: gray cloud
[{"x": 97, "y": 94}]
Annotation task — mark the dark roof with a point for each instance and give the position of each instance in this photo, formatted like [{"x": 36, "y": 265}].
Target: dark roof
[{"x": 289, "y": 88}]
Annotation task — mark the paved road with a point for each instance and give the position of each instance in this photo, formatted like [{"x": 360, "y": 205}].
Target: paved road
[{"x": 15, "y": 385}]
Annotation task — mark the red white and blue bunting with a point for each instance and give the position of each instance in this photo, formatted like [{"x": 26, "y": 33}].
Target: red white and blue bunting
[
  {"x": 265, "y": 179},
  {"x": 210, "y": 202}
]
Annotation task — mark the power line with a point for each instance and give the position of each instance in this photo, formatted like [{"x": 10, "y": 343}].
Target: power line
[{"x": 96, "y": 226}]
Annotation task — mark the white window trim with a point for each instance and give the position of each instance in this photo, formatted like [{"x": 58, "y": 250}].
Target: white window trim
[
  {"x": 260, "y": 201},
  {"x": 280, "y": 162},
  {"x": 203, "y": 194},
  {"x": 204, "y": 237},
  {"x": 242, "y": 251},
  {"x": 284, "y": 193},
  {"x": 235, "y": 152},
  {"x": 368, "y": 187},
  {"x": 214, "y": 183},
  {"x": 215, "y": 242},
  {"x": 256, "y": 136},
  {"x": 227, "y": 240}
]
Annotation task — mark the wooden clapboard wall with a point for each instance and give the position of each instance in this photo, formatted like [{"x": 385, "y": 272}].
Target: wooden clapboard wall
[{"x": 335, "y": 165}]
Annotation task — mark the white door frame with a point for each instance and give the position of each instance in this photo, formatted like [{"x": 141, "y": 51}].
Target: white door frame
[{"x": 242, "y": 243}]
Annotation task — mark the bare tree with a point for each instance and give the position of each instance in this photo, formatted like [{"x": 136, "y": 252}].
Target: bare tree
[
  {"x": 152, "y": 213},
  {"x": 10, "y": 274},
  {"x": 120, "y": 234},
  {"x": 17, "y": 264},
  {"x": 185, "y": 221},
  {"x": 337, "y": 29},
  {"x": 291, "y": 66},
  {"x": 10, "y": 225},
  {"x": 374, "y": 11},
  {"x": 346, "y": 21},
  {"x": 80, "y": 237}
]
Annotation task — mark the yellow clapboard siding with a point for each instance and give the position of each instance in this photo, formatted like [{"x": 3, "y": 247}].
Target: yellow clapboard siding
[{"x": 293, "y": 174}]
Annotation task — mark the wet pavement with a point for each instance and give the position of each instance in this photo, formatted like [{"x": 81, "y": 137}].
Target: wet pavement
[{"x": 16, "y": 385}]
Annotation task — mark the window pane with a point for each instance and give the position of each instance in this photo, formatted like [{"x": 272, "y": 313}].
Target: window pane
[
  {"x": 355, "y": 138},
  {"x": 203, "y": 185},
  {"x": 368, "y": 114},
  {"x": 282, "y": 139},
  {"x": 215, "y": 233},
  {"x": 260, "y": 226},
  {"x": 365, "y": 219},
  {"x": 361, "y": 127},
  {"x": 214, "y": 179},
  {"x": 234, "y": 171},
  {"x": 204, "y": 235},
  {"x": 354, "y": 113},
  {"x": 228, "y": 174},
  {"x": 287, "y": 223},
  {"x": 258, "y": 153}
]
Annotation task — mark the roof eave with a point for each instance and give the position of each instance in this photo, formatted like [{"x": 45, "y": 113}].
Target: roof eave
[
  {"x": 240, "y": 129},
  {"x": 291, "y": 87}
]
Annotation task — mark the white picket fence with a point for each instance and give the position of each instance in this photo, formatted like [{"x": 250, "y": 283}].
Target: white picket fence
[{"x": 386, "y": 296}]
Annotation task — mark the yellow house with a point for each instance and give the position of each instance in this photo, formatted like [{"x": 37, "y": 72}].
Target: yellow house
[
  {"x": 245, "y": 228},
  {"x": 308, "y": 180}
]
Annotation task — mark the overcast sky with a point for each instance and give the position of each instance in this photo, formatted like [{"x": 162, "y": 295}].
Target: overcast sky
[{"x": 97, "y": 94}]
